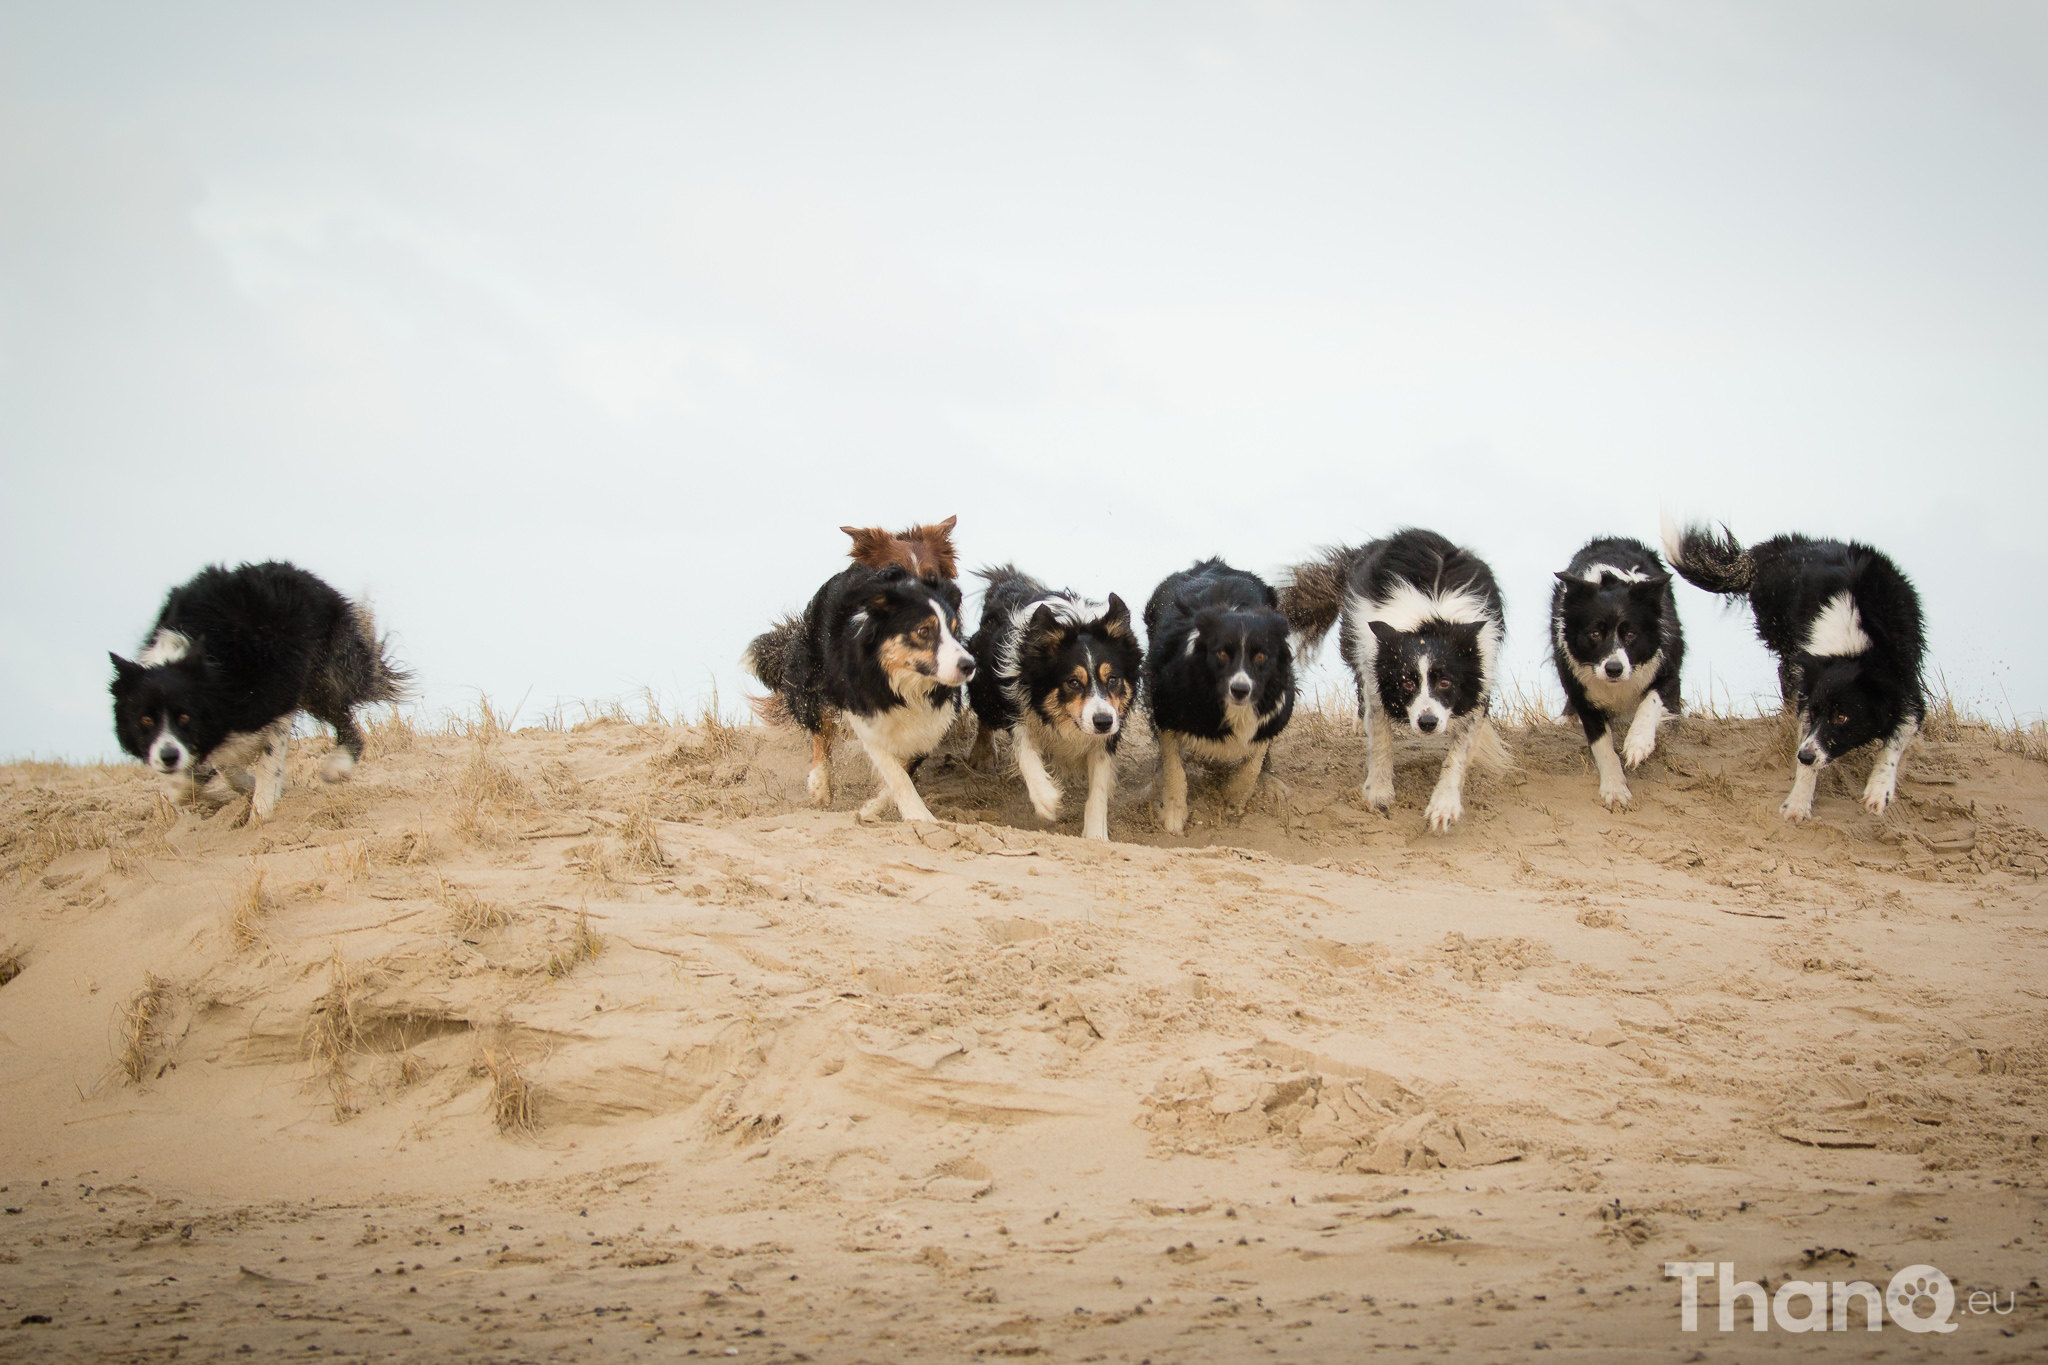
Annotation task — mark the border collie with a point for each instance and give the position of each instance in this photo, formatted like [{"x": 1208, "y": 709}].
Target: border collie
[
  {"x": 1422, "y": 629},
  {"x": 1845, "y": 625},
  {"x": 879, "y": 650},
  {"x": 1219, "y": 679},
  {"x": 923, "y": 552},
  {"x": 234, "y": 656},
  {"x": 1062, "y": 674},
  {"x": 1616, "y": 640}
]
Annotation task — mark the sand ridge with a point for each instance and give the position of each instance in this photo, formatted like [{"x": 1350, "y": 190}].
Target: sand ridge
[{"x": 611, "y": 1018}]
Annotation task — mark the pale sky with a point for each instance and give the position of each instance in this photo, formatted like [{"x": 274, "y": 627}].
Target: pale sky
[{"x": 571, "y": 334}]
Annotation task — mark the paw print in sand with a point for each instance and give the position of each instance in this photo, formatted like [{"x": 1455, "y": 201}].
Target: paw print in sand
[{"x": 1907, "y": 1298}]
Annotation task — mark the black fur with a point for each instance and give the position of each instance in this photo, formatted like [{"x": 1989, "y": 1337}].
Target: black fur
[
  {"x": 1029, "y": 662},
  {"x": 824, "y": 660},
  {"x": 265, "y": 641},
  {"x": 1843, "y": 700},
  {"x": 1235, "y": 619},
  {"x": 1590, "y": 621}
]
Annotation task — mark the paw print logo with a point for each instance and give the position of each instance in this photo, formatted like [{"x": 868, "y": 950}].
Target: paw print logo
[{"x": 1920, "y": 1299}]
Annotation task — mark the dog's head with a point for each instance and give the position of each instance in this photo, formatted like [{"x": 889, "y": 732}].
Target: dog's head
[
  {"x": 1847, "y": 704},
  {"x": 1615, "y": 626},
  {"x": 923, "y": 552},
  {"x": 1431, "y": 674},
  {"x": 1245, "y": 654},
  {"x": 165, "y": 714},
  {"x": 914, "y": 629},
  {"x": 1081, "y": 673}
]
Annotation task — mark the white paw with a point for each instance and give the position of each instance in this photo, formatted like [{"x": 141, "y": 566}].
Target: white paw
[
  {"x": 1047, "y": 806},
  {"x": 1796, "y": 811},
  {"x": 1378, "y": 795},
  {"x": 1616, "y": 795},
  {"x": 1636, "y": 749},
  {"x": 1174, "y": 818},
  {"x": 1444, "y": 810},
  {"x": 916, "y": 810},
  {"x": 819, "y": 784},
  {"x": 337, "y": 766},
  {"x": 1876, "y": 799}
]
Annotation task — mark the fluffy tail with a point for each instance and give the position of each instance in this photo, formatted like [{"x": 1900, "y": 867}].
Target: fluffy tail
[
  {"x": 1312, "y": 595},
  {"x": 386, "y": 681},
  {"x": 1489, "y": 751},
  {"x": 1714, "y": 562},
  {"x": 764, "y": 657}
]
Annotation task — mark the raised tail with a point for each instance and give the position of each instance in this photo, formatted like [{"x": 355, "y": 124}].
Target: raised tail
[
  {"x": 1312, "y": 595},
  {"x": 765, "y": 657},
  {"x": 1717, "y": 563},
  {"x": 383, "y": 680}
]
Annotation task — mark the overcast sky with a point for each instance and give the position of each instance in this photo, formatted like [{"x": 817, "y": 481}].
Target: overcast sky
[{"x": 571, "y": 334}]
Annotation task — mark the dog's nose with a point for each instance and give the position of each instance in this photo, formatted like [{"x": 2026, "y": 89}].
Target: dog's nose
[
  {"x": 1104, "y": 722},
  {"x": 1426, "y": 724},
  {"x": 1809, "y": 756},
  {"x": 966, "y": 670},
  {"x": 1240, "y": 691},
  {"x": 1613, "y": 668}
]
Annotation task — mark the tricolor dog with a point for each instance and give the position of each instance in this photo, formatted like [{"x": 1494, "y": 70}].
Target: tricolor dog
[{"x": 1615, "y": 639}]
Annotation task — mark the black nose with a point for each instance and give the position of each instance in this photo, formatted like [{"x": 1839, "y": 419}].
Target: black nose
[
  {"x": 1426, "y": 724},
  {"x": 1103, "y": 722},
  {"x": 1240, "y": 691},
  {"x": 1613, "y": 668},
  {"x": 966, "y": 670},
  {"x": 1809, "y": 756}
]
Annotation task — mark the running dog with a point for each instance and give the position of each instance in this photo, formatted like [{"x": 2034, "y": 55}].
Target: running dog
[
  {"x": 923, "y": 552},
  {"x": 1617, "y": 644}
]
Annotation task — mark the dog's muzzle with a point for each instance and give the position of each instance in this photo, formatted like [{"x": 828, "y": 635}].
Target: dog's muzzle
[
  {"x": 1426, "y": 723},
  {"x": 168, "y": 756},
  {"x": 1614, "y": 669},
  {"x": 1811, "y": 756}
]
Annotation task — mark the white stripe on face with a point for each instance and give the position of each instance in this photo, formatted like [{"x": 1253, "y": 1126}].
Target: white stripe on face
[
  {"x": 1607, "y": 665},
  {"x": 954, "y": 664},
  {"x": 167, "y": 754},
  {"x": 1425, "y": 703}
]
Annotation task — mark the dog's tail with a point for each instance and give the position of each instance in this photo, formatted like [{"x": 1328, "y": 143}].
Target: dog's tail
[
  {"x": 1312, "y": 595},
  {"x": 1489, "y": 751},
  {"x": 1706, "y": 560},
  {"x": 383, "y": 680},
  {"x": 765, "y": 657}
]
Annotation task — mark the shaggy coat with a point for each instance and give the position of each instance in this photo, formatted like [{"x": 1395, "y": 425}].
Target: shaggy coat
[
  {"x": 1421, "y": 624},
  {"x": 234, "y": 656},
  {"x": 879, "y": 650},
  {"x": 1616, "y": 641},
  {"x": 923, "y": 552},
  {"x": 1219, "y": 679},
  {"x": 1845, "y": 625},
  {"x": 1061, "y": 675}
]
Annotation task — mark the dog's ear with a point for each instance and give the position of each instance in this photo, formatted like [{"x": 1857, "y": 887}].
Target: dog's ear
[
  {"x": 124, "y": 669},
  {"x": 942, "y": 545},
  {"x": 1043, "y": 631},
  {"x": 870, "y": 545},
  {"x": 1464, "y": 632},
  {"x": 1653, "y": 586},
  {"x": 1117, "y": 624},
  {"x": 1383, "y": 632},
  {"x": 1575, "y": 586}
]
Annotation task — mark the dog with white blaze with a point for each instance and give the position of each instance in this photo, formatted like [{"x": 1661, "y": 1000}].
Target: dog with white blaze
[
  {"x": 1617, "y": 644},
  {"x": 1219, "y": 680},
  {"x": 1845, "y": 624},
  {"x": 879, "y": 651},
  {"x": 1061, "y": 676},
  {"x": 234, "y": 656},
  {"x": 1421, "y": 626}
]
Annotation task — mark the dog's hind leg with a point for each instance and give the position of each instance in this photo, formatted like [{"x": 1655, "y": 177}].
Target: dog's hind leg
[
  {"x": 268, "y": 770},
  {"x": 1447, "y": 803},
  {"x": 1884, "y": 774},
  {"x": 1173, "y": 779},
  {"x": 1038, "y": 783},
  {"x": 1379, "y": 756},
  {"x": 1101, "y": 785},
  {"x": 897, "y": 788},
  {"x": 982, "y": 756},
  {"x": 347, "y": 751},
  {"x": 818, "y": 782}
]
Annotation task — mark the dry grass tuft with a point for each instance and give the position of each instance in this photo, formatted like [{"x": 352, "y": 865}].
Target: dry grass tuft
[
  {"x": 248, "y": 907},
  {"x": 513, "y": 1105},
  {"x": 584, "y": 945},
  {"x": 142, "y": 1025},
  {"x": 640, "y": 843},
  {"x": 334, "y": 1033},
  {"x": 391, "y": 733},
  {"x": 12, "y": 960},
  {"x": 487, "y": 789},
  {"x": 469, "y": 912},
  {"x": 349, "y": 862},
  {"x": 1521, "y": 706},
  {"x": 412, "y": 1069},
  {"x": 595, "y": 867}
]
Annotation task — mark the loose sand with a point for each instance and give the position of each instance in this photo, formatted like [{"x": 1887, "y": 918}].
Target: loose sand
[{"x": 351, "y": 1083}]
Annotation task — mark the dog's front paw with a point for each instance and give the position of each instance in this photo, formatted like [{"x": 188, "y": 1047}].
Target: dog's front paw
[
  {"x": 1095, "y": 828},
  {"x": 1877, "y": 798},
  {"x": 1378, "y": 795},
  {"x": 1638, "y": 748},
  {"x": 1795, "y": 811},
  {"x": 1173, "y": 817},
  {"x": 819, "y": 784},
  {"x": 1444, "y": 810},
  {"x": 1615, "y": 794},
  {"x": 337, "y": 766},
  {"x": 871, "y": 809}
]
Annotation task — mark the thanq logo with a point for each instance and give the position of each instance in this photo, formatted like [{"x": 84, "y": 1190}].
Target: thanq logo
[{"x": 1919, "y": 1299}]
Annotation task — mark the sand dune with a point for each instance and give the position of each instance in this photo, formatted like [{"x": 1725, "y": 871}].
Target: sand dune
[{"x": 601, "y": 1043}]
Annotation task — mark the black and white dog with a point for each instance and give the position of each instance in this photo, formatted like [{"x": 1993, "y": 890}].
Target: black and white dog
[
  {"x": 234, "y": 656},
  {"x": 1060, "y": 679},
  {"x": 1422, "y": 630},
  {"x": 1845, "y": 625},
  {"x": 1615, "y": 638},
  {"x": 880, "y": 650},
  {"x": 1219, "y": 679}
]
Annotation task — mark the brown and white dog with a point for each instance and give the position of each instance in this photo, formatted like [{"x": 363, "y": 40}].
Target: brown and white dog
[{"x": 923, "y": 552}]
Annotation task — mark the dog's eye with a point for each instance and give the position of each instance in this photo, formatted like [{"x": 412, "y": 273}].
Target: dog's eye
[
  {"x": 1443, "y": 684},
  {"x": 1628, "y": 634},
  {"x": 1073, "y": 687},
  {"x": 1223, "y": 654},
  {"x": 184, "y": 719},
  {"x": 1841, "y": 720},
  {"x": 1408, "y": 682},
  {"x": 1258, "y": 658}
]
